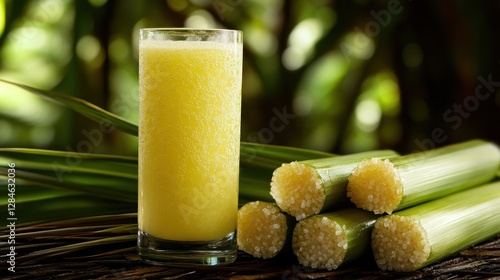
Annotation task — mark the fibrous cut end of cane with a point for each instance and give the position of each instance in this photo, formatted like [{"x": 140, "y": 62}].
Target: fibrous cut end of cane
[
  {"x": 399, "y": 243},
  {"x": 375, "y": 185},
  {"x": 319, "y": 242},
  {"x": 298, "y": 189},
  {"x": 261, "y": 229}
]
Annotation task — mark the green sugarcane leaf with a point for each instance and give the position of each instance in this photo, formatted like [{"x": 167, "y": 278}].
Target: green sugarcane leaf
[
  {"x": 34, "y": 191},
  {"x": 96, "y": 185},
  {"x": 61, "y": 162},
  {"x": 83, "y": 107},
  {"x": 66, "y": 206},
  {"x": 98, "y": 175}
]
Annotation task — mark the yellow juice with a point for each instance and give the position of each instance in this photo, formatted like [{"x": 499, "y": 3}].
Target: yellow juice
[{"x": 189, "y": 128}]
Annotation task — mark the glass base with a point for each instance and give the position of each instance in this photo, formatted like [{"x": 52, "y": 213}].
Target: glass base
[{"x": 157, "y": 251}]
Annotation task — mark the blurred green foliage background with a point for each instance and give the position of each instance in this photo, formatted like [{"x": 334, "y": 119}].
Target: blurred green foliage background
[{"x": 339, "y": 76}]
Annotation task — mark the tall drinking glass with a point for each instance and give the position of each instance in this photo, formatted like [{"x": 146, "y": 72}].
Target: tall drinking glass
[{"x": 189, "y": 143}]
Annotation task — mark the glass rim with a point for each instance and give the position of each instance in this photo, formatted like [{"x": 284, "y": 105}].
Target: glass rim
[{"x": 189, "y": 29}]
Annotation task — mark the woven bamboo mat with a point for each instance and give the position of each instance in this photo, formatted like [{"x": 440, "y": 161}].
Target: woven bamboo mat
[{"x": 119, "y": 261}]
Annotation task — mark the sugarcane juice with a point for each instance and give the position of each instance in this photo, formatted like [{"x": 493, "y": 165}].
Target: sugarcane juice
[{"x": 189, "y": 139}]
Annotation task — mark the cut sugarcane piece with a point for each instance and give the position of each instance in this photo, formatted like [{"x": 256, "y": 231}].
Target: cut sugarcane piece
[
  {"x": 384, "y": 186},
  {"x": 305, "y": 188},
  {"x": 328, "y": 240},
  {"x": 419, "y": 236},
  {"x": 263, "y": 231},
  {"x": 257, "y": 163}
]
